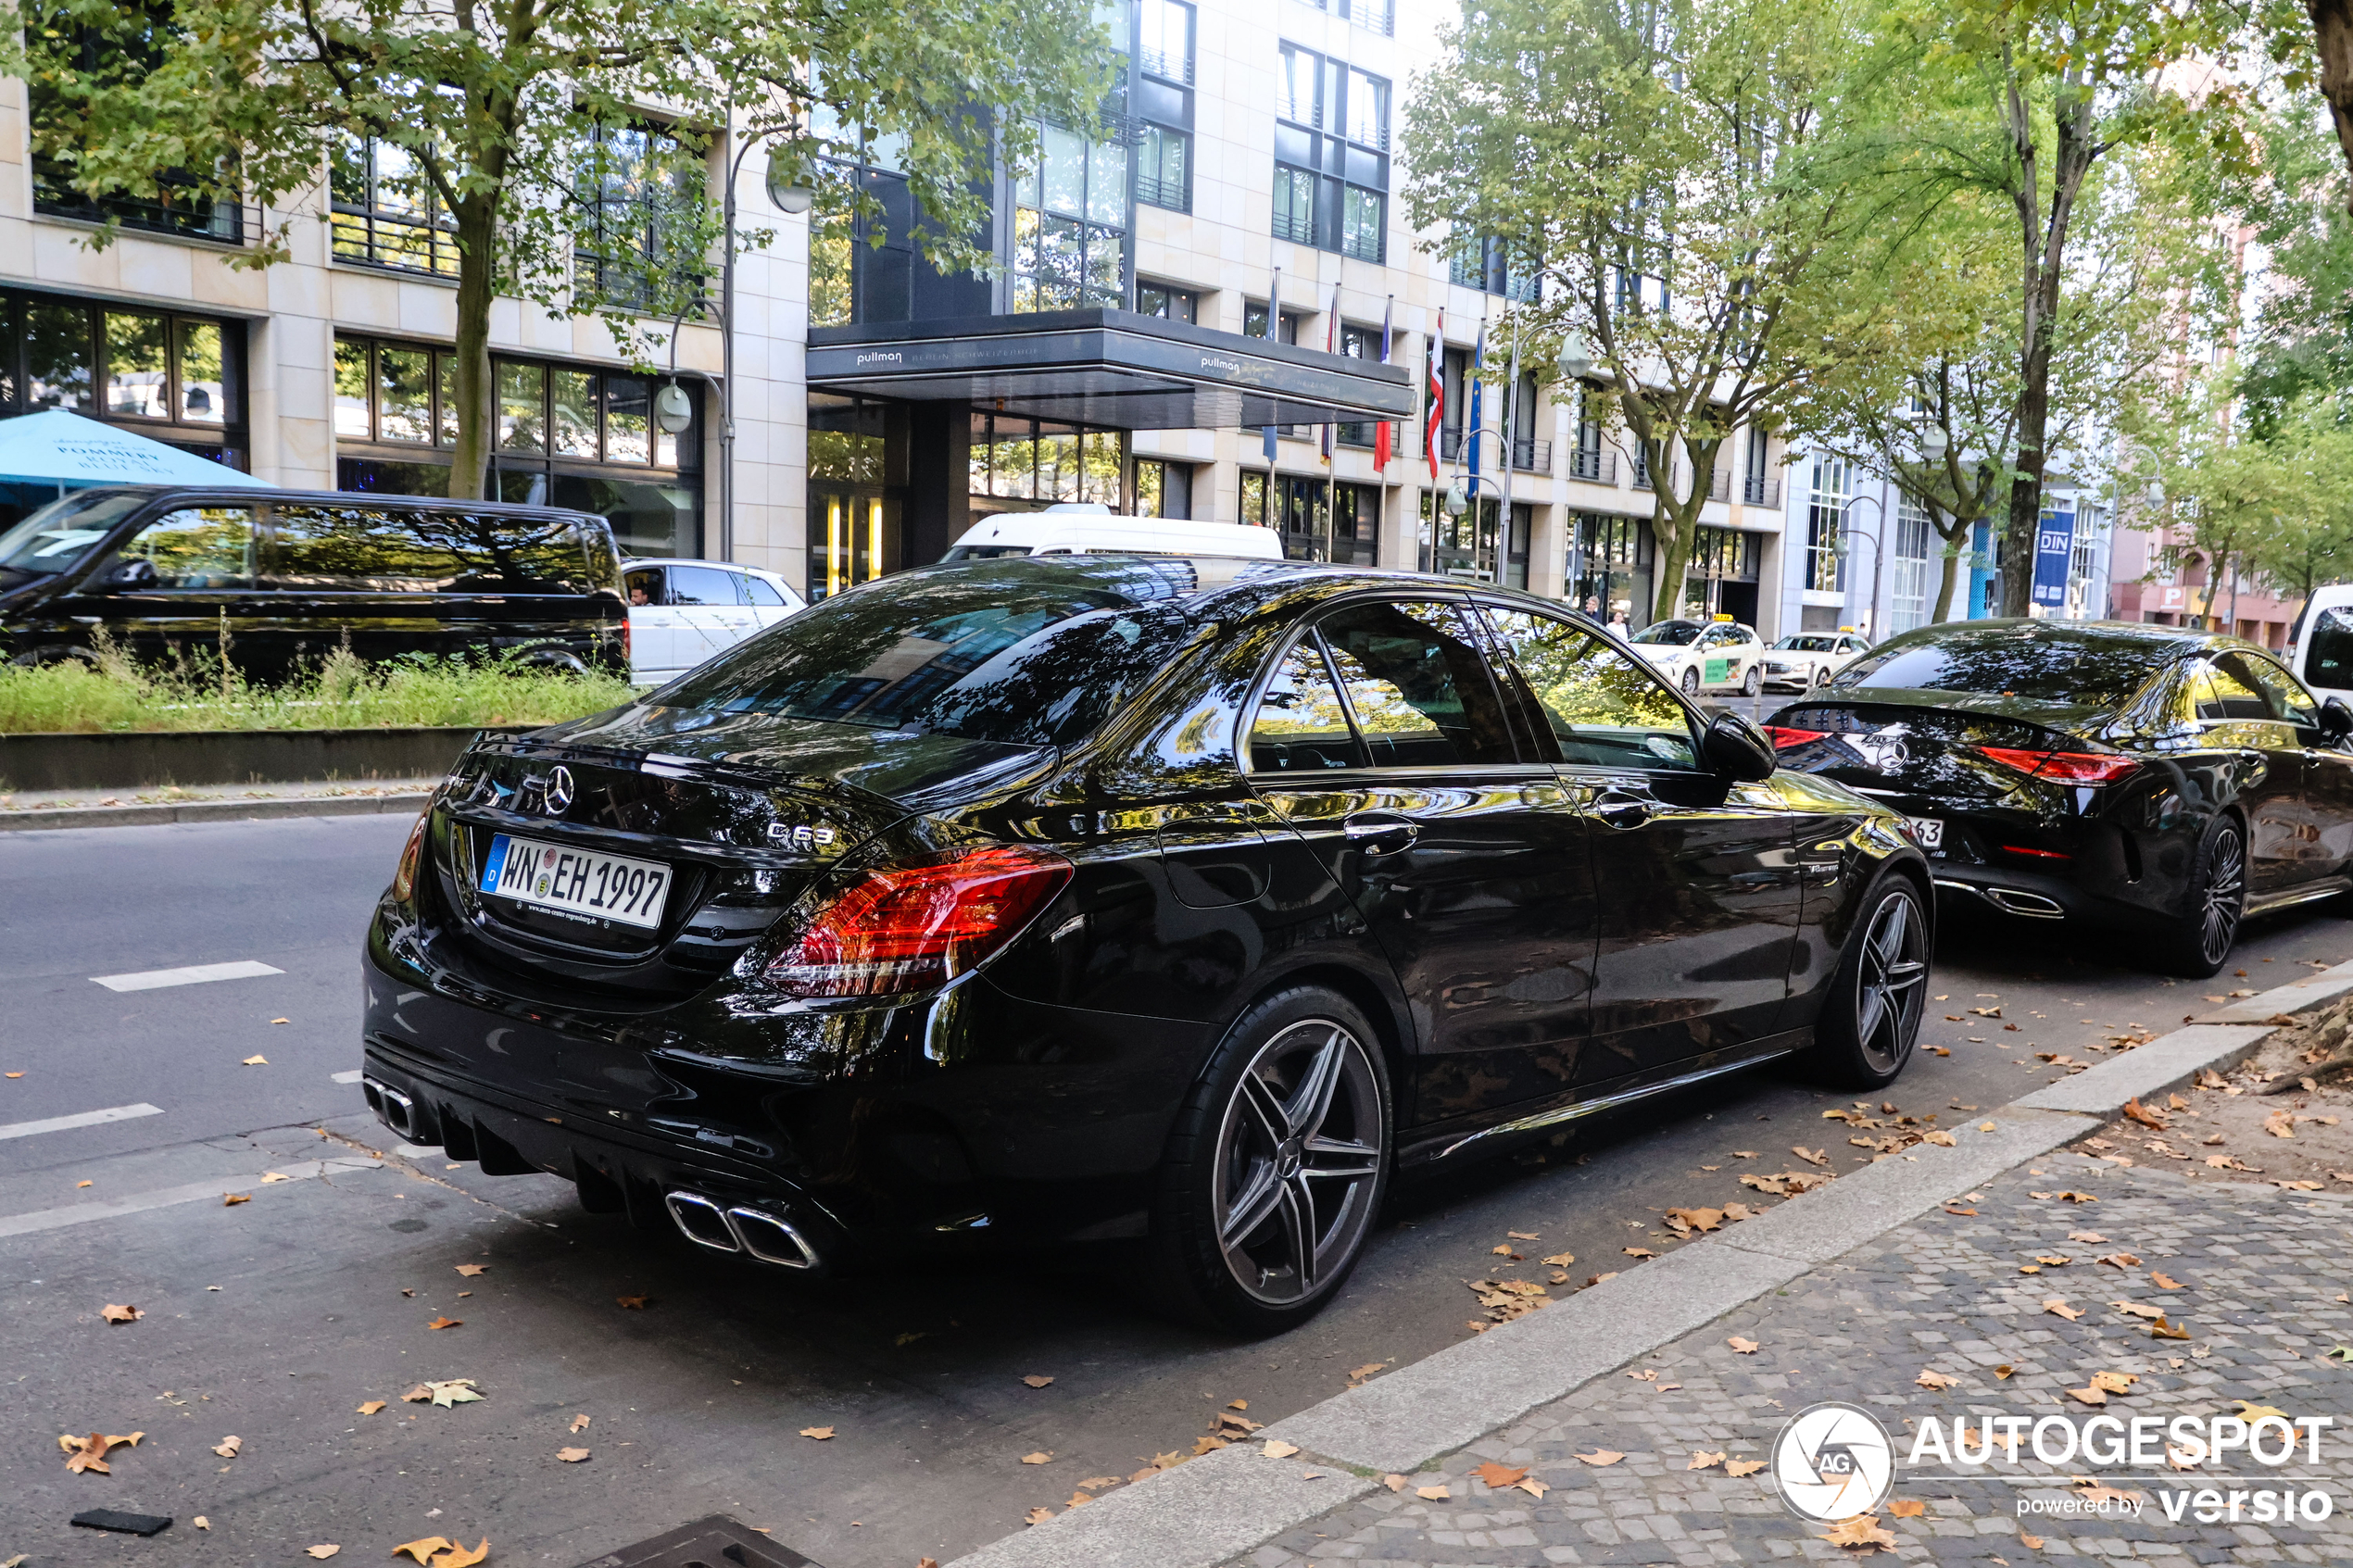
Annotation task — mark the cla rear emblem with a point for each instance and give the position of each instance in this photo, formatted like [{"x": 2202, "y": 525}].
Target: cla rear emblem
[
  {"x": 1883, "y": 750},
  {"x": 557, "y": 796}
]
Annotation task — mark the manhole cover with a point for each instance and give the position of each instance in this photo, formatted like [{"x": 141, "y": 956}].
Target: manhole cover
[{"x": 715, "y": 1542}]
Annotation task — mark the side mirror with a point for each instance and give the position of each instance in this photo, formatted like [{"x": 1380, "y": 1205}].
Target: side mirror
[
  {"x": 127, "y": 575},
  {"x": 1736, "y": 748},
  {"x": 2336, "y": 720}
]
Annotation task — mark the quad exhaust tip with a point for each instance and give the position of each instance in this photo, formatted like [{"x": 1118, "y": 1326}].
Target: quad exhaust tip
[
  {"x": 742, "y": 1228},
  {"x": 2011, "y": 900},
  {"x": 394, "y": 1109}
]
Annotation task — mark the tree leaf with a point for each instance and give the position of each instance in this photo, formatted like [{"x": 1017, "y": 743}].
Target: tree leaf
[
  {"x": 1037, "y": 1380},
  {"x": 1275, "y": 1447},
  {"x": 1601, "y": 1457},
  {"x": 1433, "y": 1494},
  {"x": 1742, "y": 1346},
  {"x": 227, "y": 1447},
  {"x": 572, "y": 1456},
  {"x": 1907, "y": 1507},
  {"x": 230, "y": 1199},
  {"x": 423, "y": 1550},
  {"x": 1743, "y": 1466},
  {"x": 2061, "y": 1309},
  {"x": 1040, "y": 1457},
  {"x": 1937, "y": 1380},
  {"x": 322, "y": 1552},
  {"x": 446, "y": 1323},
  {"x": 471, "y": 1269},
  {"x": 1497, "y": 1477},
  {"x": 1038, "y": 1516},
  {"x": 120, "y": 1314},
  {"x": 820, "y": 1433},
  {"x": 459, "y": 1557},
  {"x": 1703, "y": 1459},
  {"x": 371, "y": 1407}
]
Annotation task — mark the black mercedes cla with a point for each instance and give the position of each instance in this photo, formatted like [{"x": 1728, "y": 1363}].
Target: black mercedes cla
[
  {"x": 2164, "y": 781},
  {"x": 1176, "y": 900}
]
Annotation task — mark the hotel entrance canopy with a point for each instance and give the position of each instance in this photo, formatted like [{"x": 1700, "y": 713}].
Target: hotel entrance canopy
[{"x": 1107, "y": 368}]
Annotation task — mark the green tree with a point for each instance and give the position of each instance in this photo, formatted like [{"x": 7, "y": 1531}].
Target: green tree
[
  {"x": 2242, "y": 507},
  {"x": 2023, "y": 100},
  {"x": 522, "y": 123},
  {"x": 2310, "y": 541},
  {"x": 1690, "y": 176}
]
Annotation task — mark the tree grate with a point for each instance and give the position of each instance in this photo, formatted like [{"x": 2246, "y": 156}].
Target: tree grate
[{"x": 715, "y": 1542}]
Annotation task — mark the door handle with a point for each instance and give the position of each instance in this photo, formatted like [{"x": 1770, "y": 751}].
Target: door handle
[
  {"x": 1381, "y": 835},
  {"x": 1620, "y": 809}
]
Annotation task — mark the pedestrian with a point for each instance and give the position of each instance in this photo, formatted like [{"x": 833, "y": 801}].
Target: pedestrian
[{"x": 1618, "y": 626}]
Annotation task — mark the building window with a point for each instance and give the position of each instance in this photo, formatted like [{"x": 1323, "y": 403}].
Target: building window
[
  {"x": 1826, "y": 516},
  {"x": 1486, "y": 263},
  {"x": 1023, "y": 460},
  {"x": 384, "y": 211},
  {"x": 176, "y": 377},
  {"x": 1319, "y": 519},
  {"x": 1172, "y": 303},
  {"x": 1908, "y": 557},
  {"x": 643, "y": 188},
  {"x": 1164, "y": 47},
  {"x": 1609, "y": 568},
  {"x": 1070, "y": 219},
  {"x": 1163, "y": 489},
  {"x": 1164, "y": 168},
  {"x": 1254, "y": 321},
  {"x": 1358, "y": 343},
  {"x": 1331, "y": 163}
]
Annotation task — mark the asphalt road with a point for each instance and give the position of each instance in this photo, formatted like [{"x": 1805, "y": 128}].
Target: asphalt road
[{"x": 696, "y": 1400}]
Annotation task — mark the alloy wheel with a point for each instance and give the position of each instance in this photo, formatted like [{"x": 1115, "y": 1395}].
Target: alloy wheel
[
  {"x": 1690, "y": 683},
  {"x": 1892, "y": 982},
  {"x": 2224, "y": 897},
  {"x": 1299, "y": 1161}
]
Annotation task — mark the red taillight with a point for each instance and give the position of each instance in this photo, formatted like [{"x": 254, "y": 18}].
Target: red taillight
[
  {"x": 1784, "y": 736},
  {"x": 404, "y": 879},
  {"x": 2036, "y": 853},
  {"x": 624, "y": 637},
  {"x": 2064, "y": 767},
  {"x": 915, "y": 928}
]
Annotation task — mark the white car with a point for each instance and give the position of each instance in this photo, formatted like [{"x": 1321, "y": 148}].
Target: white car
[
  {"x": 1805, "y": 659},
  {"x": 681, "y": 612},
  {"x": 1704, "y": 655},
  {"x": 1089, "y": 527}
]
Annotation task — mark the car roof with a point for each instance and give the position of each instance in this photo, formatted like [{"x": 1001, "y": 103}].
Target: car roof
[
  {"x": 206, "y": 494},
  {"x": 2162, "y": 641}
]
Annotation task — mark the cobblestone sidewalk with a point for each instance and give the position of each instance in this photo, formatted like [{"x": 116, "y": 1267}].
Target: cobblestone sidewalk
[{"x": 2262, "y": 1275}]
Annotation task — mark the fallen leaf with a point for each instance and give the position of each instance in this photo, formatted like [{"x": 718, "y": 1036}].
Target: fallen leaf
[
  {"x": 1531, "y": 1486},
  {"x": 1907, "y": 1507},
  {"x": 1396, "y": 1482},
  {"x": 1434, "y": 1494},
  {"x": 1703, "y": 1459},
  {"x": 1743, "y": 1466},
  {"x": 1940, "y": 1137},
  {"x": 227, "y": 1447},
  {"x": 1038, "y": 1516},
  {"x": 820, "y": 1433},
  {"x": 1639, "y": 1252},
  {"x": 1499, "y": 1476},
  {"x": 1742, "y": 1346},
  {"x": 2250, "y": 1412},
  {"x": 16, "y": 1075},
  {"x": 2004, "y": 1370},
  {"x": 1561, "y": 1259},
  {"x": 1696, "y": 1219},
  {"x": 2119, "y": 1260},
  {"x": 2279, "y": 1125},
  {"x": 2115, "y": 1382},
  {"x": 1600, "y": 1457},
  {"x": 2077, "y": 1196},
  {"x": 230, "y": 1199},
  {"x": 469, "y": 1270},
  {"x": 120, "y": 1314},
  {"x": 1358, "y": 1375},
  {"x": 1986, "y": 1127},
  {"x": 2135, "y": 1111},
  {"x": 1811, "y": 1156},
  {"x": 2090, "y": 1238},
  {"x": 1936, "y": 1380},
  {"x": 1077, "y": 1499},
  {"x": 322, "y": 1552},
  {"x": 1505, "y": 1251},
  {"x": 1863, "y": 1531},
  {"x": 1096, "y": 1483},
  {"x": 255, "y": 1061},
  {"x": 2090, "y": 1396},
  {"x": 1037, "y": 1380},
  {"x": 2031, "y": 1543},
  {"x": 572, "y": 1456},
  {"x": 446, "y": 1323},
  {"x": 1956, "y": 1208},
  {"x": 579, "y": 1424},
  {"x": 1275, "y": 1448},
  {"x": 634, "y": 1303},
  {"x": 1040, "y": 1457},
  {"x": 424, "y": 1548},
  {"x": 1524, "y": 1235},
  {"x": 269, "y": 1176},
  {"x": 200, "y": 1522},
  {"x": 371, "y": 1407},
  {"x": 2061, "y": 1309}
]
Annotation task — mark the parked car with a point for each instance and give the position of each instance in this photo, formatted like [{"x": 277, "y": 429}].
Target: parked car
[
  {"x": 681, "y": 612},
  {"x": 2319, "y": 648},
  {"x": 289, "y": 575},
  {"x": 1081, "y": 527},
  {"x": 1805, "y": 659},
  {"x": 1176, "y": 900},
  {"x": 2166, "y": 781},
  {"x": 1704, "y": 655}
]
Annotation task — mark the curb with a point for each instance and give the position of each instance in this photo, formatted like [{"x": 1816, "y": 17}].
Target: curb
[
  {"x": 211, "y": 811},
  {"x": 1215, "y": 1507}
]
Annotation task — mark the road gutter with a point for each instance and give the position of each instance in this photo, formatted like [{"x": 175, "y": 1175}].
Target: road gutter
[
  {"x": 230, "y": 810},
  {"x": 1214, "y": 1508}
]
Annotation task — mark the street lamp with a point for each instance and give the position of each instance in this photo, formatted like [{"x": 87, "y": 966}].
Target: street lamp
[
  {"x": 1576, "y": 359},
  {"x": 1877, "y": 554},
  {"x": 1932, "y": 442}
]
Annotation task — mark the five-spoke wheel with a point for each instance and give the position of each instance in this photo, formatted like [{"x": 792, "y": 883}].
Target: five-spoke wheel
[{"x": 1872, "y": 1018}]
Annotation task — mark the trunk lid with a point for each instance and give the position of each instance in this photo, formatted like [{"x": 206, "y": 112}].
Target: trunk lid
[{"x": 1924, "y": 753}]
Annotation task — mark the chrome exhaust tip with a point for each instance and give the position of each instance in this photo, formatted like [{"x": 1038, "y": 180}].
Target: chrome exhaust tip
[
  {"x": 394, "y": 1109},
  {"x": 702, "y": 1221},
  {"x": 2033, "y": 906}
]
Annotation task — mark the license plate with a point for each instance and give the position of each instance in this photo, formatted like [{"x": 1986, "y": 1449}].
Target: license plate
[
  {"x": 578, "y": 881},
  {"x": 1927, "y": 831}
]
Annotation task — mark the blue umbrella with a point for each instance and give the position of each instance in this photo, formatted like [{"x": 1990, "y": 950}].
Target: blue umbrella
[{"x": 65, "y": 450}]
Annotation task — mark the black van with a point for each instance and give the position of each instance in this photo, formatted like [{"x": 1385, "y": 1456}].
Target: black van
[{"x": 291, "y": 573}]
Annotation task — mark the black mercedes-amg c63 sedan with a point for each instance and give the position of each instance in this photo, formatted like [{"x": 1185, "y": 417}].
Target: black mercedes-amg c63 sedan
[
  {"x": 2163, "y": 781},
  {"x": 1176, "y": 900}
]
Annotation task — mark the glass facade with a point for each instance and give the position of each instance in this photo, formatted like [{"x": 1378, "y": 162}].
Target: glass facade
[
  {"x": 1021, "y": 459},
  {"x": 1070, "y": 225},
  {"x": 1609, "y": 568},
  {"x": 1825, "y": 517},
  {"x": 1909, "y": 567},
  {"x": 1331, "y": 162},
  {"x": 384, "y": 212},
  {"x": 1319, "y": 519}
]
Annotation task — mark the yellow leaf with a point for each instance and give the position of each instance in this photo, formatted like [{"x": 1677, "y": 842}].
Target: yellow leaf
[
  {"x": 1434, "y": 1494},
  {"x": 371, "y": 1407},
  {"x": 227, "y": 1447},
  {"x": 1907, "y": 1507},
  {"x": 1936, "y": 1380},
  {"x": 264, "y": 1062},
  {"x": 1743, "y": 1466},
  {"x": 1561, "y": 1259},
  {"x": 120, "y": 1314},
  {"x": 820, "y": 1433},
  {"x": 459, "y": 1557},
  {"x": 2090, "y": 1396},
  {"x": 322, "y": 1552},
  {"x": 1531, "y": 1486},
  {"x": 2061, "y": 1308},
  {"x": 1742, "y": 1346},
  {"x": 230, "y": 1199},
  {"x": 1864, "y": 1531},
  {"x": 2251, "y": 1412},
  {"x": 446, "y": 1323},
  {"x": 1040, "y": 1457},
  {"x": 1275, "y": 1448},
  {"x": 1601, "y": 1457},
  {"x": 1037, "y": 1380},
  {"x": 1703, "y": 1459},
  {"x": 579, "y": 1424},
  {"x": 424, "y": 1548},
  {"x": 572, "y": 1456},
  {"x": 1396, "y": 1482},
  {"x": 201, "y": 1522},
  {"x": 469, "y": 1270},
  {"x": 1038, "y": 1516}
]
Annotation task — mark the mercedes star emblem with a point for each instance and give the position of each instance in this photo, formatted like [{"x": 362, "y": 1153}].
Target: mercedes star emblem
[{"x": 557, "y": 796}]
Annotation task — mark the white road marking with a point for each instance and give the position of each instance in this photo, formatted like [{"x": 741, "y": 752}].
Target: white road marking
[
  {"x": 193, "y": 974},
  {"x": 163, "y": 1198},
  {"x": 79, "y": 1119},
  {"x": 351, "y": 1077}
]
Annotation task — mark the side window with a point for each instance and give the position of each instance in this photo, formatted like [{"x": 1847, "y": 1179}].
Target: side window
[
  {"x": 2287, "y": 700},
  {"x": 701, "y": 585},
  {"x": 1604, "y": 709},
  {"x": 197, "y": 547},
  {"x": 343, "y": 550},
  {"x": 644, "y": 586},
  {"x": 1417, "y": 686},
  {"x": 1301, "y": 726},
  {"x": 762, "y": 593},
  {"x": 2329, "y": 661},
  {"x": 2223, "y": 695}
]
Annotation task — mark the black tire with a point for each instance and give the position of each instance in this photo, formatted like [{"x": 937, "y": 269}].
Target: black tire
[
  {"x": 1752, "y": 682},
  {"x": 41, "y": 657},
  {"x": 1236, "y": 1198},
  {"x": 1870, "y": 1021},
  {"x": 1690, "y": 681},
  {"x": 2199, "y": 943}
]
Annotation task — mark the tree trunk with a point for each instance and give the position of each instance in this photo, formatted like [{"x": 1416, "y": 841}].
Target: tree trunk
[
  {"x": 2332, "y": 31},
  {"x": 1672, "y": 529},
  {"x": 477, "y": 283},
  {"x": 1952, "y": 573}
]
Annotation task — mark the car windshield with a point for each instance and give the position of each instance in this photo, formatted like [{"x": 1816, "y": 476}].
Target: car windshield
[
  {"x": 1027, "y": 660},
  {"x": 984, "y": 552},
  {"x": 1677, "y": 632},
  {"x": 1809, "y": 645},
  {"x": 55, "y": 537},
  {"x": 2074, "y": 666}
]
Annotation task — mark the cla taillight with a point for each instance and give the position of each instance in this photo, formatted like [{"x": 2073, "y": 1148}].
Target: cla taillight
[
  {"x": 1784, "y": 736},
  {"x": 404, "y": 880},
  {"x": 2064, "y": 767},
  {"x": 917, "y": 927}
]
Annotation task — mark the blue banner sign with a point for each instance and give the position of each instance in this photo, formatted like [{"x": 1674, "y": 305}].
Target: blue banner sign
[{"x": 2054, "y": 547}]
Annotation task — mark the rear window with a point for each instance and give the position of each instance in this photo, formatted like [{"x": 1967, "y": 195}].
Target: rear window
[
  {"x": 2040, "y": 663},
  {"x": 372, "y": 548},
  {"x": 989, "y": 659}
]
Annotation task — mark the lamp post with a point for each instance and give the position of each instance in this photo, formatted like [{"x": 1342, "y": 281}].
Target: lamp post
[{"x": 1877, "y": 554}]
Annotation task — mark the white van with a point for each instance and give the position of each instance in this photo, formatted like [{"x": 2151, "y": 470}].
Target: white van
[
  {"x": 2319, "y": 645},
  {"x": 1079, "y": 528},
  {"x": 681, "y": 612}
]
